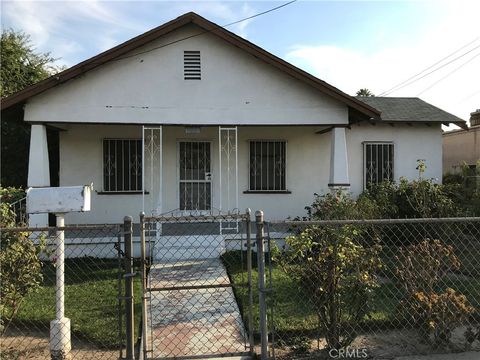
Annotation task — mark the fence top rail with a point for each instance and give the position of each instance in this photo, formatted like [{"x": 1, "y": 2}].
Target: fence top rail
[
  {"x": 111, "y": 227},
  {"x": 197, "y": 218},
  {"x": 375, "y": 221}
]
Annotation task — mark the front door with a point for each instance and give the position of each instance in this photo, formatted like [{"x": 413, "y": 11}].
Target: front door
[{"x": 195, "y": 175}]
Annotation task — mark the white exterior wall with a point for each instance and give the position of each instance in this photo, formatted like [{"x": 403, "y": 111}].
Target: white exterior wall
[
  {"x": 236, "y": 88},
  {"x": 81, "y": 162},
  {"x": 308, "y": 164},
  {"x": 308, "y": 161},
  {"x": 410, "y": 143}
]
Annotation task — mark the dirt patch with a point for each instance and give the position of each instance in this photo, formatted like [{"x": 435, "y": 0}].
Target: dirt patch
[
  {"x": 385, "y": 345},
  {"x": 33, "y": 344}
]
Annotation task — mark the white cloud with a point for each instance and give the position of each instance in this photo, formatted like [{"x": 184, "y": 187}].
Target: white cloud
[
  {"x": 50, "y": 25},
  {"x": 380, "y": 70},
  {"x": 75, "y": 30}
]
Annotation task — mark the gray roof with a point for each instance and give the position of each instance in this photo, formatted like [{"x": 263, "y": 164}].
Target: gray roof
[{"x": 409, "y": 109}]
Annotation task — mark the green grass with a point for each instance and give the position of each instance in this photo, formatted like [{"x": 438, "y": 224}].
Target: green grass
[
  {"x": 91, "y": 301},
  {"x": 294, "y": 314}
]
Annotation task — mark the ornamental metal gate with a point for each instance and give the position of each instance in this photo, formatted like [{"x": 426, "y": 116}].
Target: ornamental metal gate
[
  {"x": 197, "y": 289},
  {"x": 195, "y": 175}
]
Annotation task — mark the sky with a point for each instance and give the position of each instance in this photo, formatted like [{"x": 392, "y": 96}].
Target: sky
[{"x": 430, "y": 48}]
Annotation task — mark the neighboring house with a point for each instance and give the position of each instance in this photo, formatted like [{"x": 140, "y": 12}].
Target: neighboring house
[
  {"x": 462, "y": 147},
  {"x": 191, "y": 117}
]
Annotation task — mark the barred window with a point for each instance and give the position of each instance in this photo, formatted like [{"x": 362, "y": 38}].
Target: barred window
[
  {"x": 378, "y": 162},
  {"x": 122, "y": 165},
  {"x": 267, "y": 165}
]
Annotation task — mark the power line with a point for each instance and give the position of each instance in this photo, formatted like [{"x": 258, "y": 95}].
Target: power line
[
  {"x": 206, "y": 31},
  {"x": 450, "y": 73},
  {"x": 261, "y": 13},
  {"x": 431, "y": 72},
  {"x": 394, "y": 88},
  {"x": 469, "y": 96}
]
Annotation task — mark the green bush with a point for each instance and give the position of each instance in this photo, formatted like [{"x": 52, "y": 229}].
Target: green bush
[
  {"x": 411, "y": 199},
  {"x": 464, "y": 189},
  {"x": 341, "y": 206},
  {"x": 9, "y": 195},
  {"x": 336, "y": 265},
  {"x": 20, "y": 267}
]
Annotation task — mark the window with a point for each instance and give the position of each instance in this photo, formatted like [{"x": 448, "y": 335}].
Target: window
[
  {"x": 191, "y": 65},
  {"x": 378, "y": 162},
  {"x": 267, "y": 165},
  {"x": 122, "y": 165}
]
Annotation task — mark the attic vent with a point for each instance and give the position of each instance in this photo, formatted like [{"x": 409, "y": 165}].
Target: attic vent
[{"x": 191, "y": 65}]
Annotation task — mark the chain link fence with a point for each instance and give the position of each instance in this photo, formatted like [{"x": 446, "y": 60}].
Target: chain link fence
[
  {"x": 376, "y": 288},
  {"x": 93, "y": 276},
  {"x": 194, "y": 306},
  {"x": 373, "y": 288}
]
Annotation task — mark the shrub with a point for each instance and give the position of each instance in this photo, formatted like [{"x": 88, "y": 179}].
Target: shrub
[
  {"x": 464, "y": 189},
  {"x": 383, "y": 197},
  {"x": 20, "y": 267},
  {"x": 341, "y": 206},
  {"x": 9, "y": 195},
  {"x": 420, "y": 270},
  {"x": 420, "y": 267},
  {"x": 423, "y": 199},
  {"x": 411, "y": 199},
  {"x": 440, "y": 314},
  {"x": 336, "y": 265}
]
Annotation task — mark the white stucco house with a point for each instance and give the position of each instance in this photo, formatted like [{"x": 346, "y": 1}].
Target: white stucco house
[{"x": 190, "y": 117}]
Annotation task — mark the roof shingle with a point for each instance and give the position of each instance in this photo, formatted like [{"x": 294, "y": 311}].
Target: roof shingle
[{"x": 409, "y": 109}]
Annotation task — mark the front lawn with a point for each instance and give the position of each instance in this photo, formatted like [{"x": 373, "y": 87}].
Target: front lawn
[{"x": 91, "y": 301}]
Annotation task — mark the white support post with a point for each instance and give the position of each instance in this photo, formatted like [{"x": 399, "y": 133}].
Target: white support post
[
  {"x": 338, "y": 160},
  {"x": 60, "y": 344},
  {"x": 228, "y": 173},
  {"x": 38, "y": 167}
]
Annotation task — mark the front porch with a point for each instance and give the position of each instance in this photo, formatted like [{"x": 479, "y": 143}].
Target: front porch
[{"x": 193, "y": 169}]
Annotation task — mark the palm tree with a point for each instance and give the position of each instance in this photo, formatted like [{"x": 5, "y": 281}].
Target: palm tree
[{"x": 364, "y": 92}]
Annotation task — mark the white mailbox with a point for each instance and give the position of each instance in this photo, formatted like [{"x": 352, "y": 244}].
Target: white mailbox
[
  {"x": 62, "y": 199},
  {"x": 59, "y": 200}
]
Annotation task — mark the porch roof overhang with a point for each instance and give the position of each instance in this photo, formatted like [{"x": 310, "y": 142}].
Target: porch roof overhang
[{"x": 117, "y": 52}]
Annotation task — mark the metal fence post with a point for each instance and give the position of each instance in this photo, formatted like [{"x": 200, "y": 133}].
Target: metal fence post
[
  {"x": 261, "y": 285},
  {"x": 144, "y": 284},
  {"x": 128, "y": 230},
  {"x": 60, "y": 343},
  {"x": 250, "y": 282}
]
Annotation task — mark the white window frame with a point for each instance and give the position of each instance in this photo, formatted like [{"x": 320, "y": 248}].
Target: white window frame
[
  {"x": 285, "y": 189},
  {"x": 364, "y": 162},
  {"x": 139, "y": 184}
]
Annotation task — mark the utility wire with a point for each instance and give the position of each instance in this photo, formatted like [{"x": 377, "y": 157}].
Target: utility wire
[
  {"x": 394, "y": 88},
  {"x": 450, "y": 73},
  {"x": 469, "y": 96},
  {"x": 206, "y": 31},
  {"x": 431, "y": 72}
]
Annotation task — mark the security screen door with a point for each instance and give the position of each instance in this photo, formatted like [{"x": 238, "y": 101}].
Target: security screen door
[{"x": 195, "y": 175}]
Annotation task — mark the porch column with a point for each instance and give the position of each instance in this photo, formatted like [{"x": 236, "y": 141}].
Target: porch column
[
  {"x": 38, "y": 168},
  {"x": 338, "y": 160}
]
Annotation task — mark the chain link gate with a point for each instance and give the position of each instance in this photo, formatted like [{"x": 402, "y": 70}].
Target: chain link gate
[{"x": 197, "y": 286}]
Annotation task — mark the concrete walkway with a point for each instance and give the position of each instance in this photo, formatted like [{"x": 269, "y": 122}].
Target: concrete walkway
[{"x": 191, "y": 322}]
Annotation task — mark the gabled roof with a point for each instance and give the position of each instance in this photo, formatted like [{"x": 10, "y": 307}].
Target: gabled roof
[
  {"x": 409, "y": 109},
  {"x": 188, "y": 18}
]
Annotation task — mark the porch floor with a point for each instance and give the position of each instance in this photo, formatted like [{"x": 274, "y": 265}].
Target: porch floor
[{"x": 193, "y": 321}]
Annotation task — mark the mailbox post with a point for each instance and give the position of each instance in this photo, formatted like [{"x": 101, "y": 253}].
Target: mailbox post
[{"x": 59, "y": 200}]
